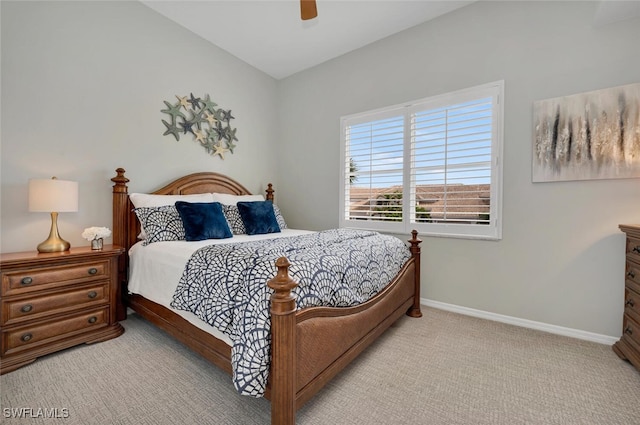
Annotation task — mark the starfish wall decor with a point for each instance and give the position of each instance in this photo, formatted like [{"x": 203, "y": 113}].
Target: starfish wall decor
[{"x": 208, "y": 125}]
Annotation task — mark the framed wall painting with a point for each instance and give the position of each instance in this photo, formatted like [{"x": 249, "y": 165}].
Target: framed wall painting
[{"x": 591, "y": 135}]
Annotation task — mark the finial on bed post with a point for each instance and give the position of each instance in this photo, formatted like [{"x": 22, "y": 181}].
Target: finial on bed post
[
  {"x": 270, "y": 192},
  {"x": 120, "y": 210},
  {"x": 120, "y": 181},
  {"x": 120, "y": 231},
  {"x": 414, "y": 310},
  {"x": 282, "y": 284},
  {"x": 283, "y": 346}
]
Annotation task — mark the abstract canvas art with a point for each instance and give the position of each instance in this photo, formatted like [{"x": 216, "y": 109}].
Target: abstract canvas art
[{"x": 592, "y": 135}]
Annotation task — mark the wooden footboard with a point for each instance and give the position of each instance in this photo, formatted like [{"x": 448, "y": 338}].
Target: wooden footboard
[
  {"x": 326, "y": 352},
  {"x": 328, "y": 339}
]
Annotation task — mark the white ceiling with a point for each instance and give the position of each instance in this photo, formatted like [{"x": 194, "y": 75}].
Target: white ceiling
[{"x": 269, "y": 34}]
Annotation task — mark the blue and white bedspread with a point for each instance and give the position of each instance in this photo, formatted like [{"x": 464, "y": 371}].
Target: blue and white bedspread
[{"x": 225, "y": 285}]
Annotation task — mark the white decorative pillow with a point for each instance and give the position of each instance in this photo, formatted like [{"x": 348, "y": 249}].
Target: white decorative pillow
[
  {"x": 228, "y": 199},
  {"x": 140, "y": 200}
]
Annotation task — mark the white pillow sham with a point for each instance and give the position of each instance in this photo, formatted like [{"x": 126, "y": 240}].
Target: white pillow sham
[
  {"x": 228, "y": 199},
  {"x": 146, "y": 200}
]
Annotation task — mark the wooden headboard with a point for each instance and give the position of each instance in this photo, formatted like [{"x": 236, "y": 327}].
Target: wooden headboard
[{"x": 126, "y": 226}]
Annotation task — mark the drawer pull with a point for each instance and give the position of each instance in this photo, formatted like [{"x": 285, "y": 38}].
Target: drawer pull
[
  {"x": 26, "y": 337},
  {"x": 93, "y": 319},
  {"x": 92, "y": 294},
  {"x": 630, "y": 303},
  {"x": 631, "y": 274},
  {"x": 636, "y": 249},
  {"x": 628, "y": 330},
  {"x": 93, "y": 271},
  {"x": 26, "y": 308},
  {"x": 26, "y": 281}
]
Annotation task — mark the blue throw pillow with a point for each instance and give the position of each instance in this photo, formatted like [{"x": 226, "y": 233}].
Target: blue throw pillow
[
  {"x": 258, "y": 217},
  {"x": 203, "y": 220}
]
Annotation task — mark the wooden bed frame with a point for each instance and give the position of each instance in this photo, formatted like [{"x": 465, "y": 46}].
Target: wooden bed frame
[{"x": 328, "y": 339}]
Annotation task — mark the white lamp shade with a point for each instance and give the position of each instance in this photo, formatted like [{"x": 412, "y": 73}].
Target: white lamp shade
[{"x": 53, "y": 195}]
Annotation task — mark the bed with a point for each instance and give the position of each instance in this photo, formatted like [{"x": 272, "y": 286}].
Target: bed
[{"x": 308, "y": 346}]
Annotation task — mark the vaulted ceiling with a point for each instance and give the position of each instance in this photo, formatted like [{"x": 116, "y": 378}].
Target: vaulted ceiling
[{"x": 269, "y": 34}]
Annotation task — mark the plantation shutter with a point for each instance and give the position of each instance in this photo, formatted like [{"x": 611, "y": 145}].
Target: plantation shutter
[
  {"x": 451, "y": 155},
  {"x": 374, "y": 166},
  {"x": 433, "y": 165}
]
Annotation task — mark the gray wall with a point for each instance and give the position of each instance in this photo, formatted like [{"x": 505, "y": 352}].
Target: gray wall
[
  {"x": 83, "y": 84},
  {"x": 560, "y": 261}
]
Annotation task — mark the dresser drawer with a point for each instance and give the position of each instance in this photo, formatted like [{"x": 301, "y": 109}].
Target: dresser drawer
[
  {"x": 632, "y": 304},
  {"x": 632, "y": 276},
  {"x": 34, "y": 307},
  {"x": 633, "y": 249},
  {"x": 631, "y": 331},
  {"x": 27, "y": 280},
  {"x": 28, "y": 337}
]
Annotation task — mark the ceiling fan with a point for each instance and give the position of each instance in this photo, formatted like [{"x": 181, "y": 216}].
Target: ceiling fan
[{"x": 308, "y": 9}]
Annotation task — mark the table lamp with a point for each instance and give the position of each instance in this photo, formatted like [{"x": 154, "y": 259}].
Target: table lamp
[{"x": 53, "y": 196}]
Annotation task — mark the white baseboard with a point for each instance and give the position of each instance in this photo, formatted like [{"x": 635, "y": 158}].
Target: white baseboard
[{"x": 558, "y": 330}]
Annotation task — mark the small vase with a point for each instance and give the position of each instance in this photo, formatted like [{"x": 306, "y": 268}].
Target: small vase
[{"x": 96, "y": 243}]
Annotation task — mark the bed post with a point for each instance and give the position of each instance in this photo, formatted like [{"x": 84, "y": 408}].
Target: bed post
[
  {"x": 414, "y": 310},
  {"x": 120, "y": 236},
  {"x": 283, "y": 346}
]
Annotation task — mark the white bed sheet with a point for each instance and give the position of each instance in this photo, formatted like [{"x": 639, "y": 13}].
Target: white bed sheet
[{"x": 155, "y": 270}]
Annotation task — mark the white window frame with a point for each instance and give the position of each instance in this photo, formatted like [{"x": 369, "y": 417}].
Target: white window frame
[{"x": 490, "y": 231}]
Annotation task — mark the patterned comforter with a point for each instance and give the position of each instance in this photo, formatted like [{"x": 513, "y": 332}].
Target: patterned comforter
[{"x": 225, "y": 285}]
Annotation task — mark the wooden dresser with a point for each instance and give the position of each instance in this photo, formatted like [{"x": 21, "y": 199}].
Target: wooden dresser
[
  {"x": 52, "y": 301},
  {"x": 629, "y": 345}
]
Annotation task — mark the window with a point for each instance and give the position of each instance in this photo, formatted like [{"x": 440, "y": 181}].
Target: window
[{"x": 433, "y": 165}]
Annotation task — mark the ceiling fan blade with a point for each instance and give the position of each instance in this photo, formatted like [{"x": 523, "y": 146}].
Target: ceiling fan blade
[{"x": 308, "y": 9}]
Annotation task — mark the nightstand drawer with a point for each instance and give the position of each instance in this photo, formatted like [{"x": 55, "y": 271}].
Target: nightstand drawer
[
  {"x": 20, "y": 281},
  {"x": 28, "y": 308},
  {"x": 28, "y": 337}
]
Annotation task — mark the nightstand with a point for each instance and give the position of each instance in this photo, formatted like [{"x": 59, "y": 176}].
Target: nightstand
[{"x": 53, "y": 301}]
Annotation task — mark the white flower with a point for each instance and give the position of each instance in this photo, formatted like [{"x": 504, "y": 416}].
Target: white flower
[{"x": 92, "y": 233}]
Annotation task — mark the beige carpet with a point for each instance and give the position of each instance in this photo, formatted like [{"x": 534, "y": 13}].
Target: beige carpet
[{"x": 441, "y": 369}]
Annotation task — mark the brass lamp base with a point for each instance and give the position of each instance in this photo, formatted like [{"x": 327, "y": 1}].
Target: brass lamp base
[{"x": 54, "y": 242}]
